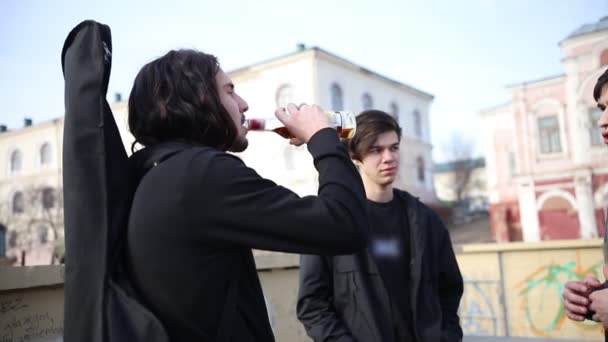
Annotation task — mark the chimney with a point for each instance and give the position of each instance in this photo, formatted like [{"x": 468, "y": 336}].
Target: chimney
[
  {"x": 27, "y": 122},
  {"x": 117, "y": 97},
  {"x": 3, "y": 128},
  {"x": 301, "y": 47}
]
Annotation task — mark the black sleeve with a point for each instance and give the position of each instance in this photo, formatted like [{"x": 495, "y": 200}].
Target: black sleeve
[
  {"x": 450, "y": 286},
  {"x": 315, "y": 308},
  {"x": 236, "y": 205}
]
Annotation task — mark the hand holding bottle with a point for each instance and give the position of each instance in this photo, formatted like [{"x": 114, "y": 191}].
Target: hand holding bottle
[
  {"x": 303, "y": 121},
  {"x": 343, "y": 122}
]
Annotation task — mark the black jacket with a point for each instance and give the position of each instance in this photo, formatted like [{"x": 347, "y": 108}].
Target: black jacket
[
  {"x": 198, "y": 212},
  {"x": 343, "y": 298}
]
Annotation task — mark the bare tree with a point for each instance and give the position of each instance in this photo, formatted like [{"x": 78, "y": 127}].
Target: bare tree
[
  {"x": 459, "y": 153},
  {"x": 30, "y": 214}
]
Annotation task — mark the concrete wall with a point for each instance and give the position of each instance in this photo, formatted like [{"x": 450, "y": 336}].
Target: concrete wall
[
  {"x": 511, "y": 290},
  {"x": 515, "y": 289},
  {"x": 31, "y": 303}
]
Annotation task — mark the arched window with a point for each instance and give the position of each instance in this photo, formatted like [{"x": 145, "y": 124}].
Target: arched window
[
  {"x": 367, "y": 101},
  {"x": 420, "y": 168},
  {"x": 284, "y": 95},
  {"x": 48, "y": 198},
  {"x": 337, "y": 101},
  {"x": 394, "y": 110},
  {"x": 604, "y": 58},
  {"x": 16, "y": 161},
  {"x": 18, "y": 202},
  {"x": 417, "y": 123},
  {"x": 45, "y": 154}
]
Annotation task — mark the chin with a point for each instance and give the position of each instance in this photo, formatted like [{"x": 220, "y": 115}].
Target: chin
[
  {"x": 389, "y": 182},
  {"x": 239, "y": 145}
]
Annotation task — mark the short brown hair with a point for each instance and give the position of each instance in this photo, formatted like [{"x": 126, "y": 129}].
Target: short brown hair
[
  {"x": 175, "y": 98},
  {"x": 370, "y": 124}
]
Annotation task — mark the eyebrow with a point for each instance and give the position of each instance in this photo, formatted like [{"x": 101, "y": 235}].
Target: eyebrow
[{"x": 380, "y": 146}]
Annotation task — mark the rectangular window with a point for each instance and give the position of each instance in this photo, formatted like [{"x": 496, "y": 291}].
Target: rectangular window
[
  {"x": 548, "y": 128},
  {"x": 594, "y": 131}
]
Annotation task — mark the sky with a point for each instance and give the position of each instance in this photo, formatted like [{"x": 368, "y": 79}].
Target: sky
[{"x": 463, "y": 52}]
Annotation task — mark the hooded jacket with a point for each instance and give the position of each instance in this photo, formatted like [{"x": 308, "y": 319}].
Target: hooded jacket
[
  {"x": 343, "y": 298},
  {"x": 197, "y": 213}
]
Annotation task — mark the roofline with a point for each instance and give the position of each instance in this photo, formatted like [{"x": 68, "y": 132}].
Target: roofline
[
  {"x": 265, "y": 61},
  {"x": 580, "y": 35},
  {"x": 491, "y": 110},
  {"x": 340, "y": 59},
  {"x": 574, "y": 39},
  {"x": 536, "y": 81},
  {"x": 42, "y": 124},
  {"x": 380, "y": 76}
]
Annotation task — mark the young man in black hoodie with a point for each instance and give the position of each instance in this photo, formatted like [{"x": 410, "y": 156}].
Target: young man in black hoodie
[
  {"x": 406, "y": 285},
  {"x": 198, "y": 211}
]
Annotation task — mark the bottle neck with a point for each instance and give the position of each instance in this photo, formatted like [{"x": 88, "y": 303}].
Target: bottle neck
[{"x": 265, "y": 124}]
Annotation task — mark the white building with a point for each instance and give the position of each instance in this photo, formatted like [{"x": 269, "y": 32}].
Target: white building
[
  {"x": 30, "y": 172},
  {"x": 313, "y": 75},
  {"x": 31, "y": 156}
]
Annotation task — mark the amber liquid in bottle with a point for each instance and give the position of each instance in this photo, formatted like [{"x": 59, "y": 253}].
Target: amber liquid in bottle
[{"x": 282, "y": 131}]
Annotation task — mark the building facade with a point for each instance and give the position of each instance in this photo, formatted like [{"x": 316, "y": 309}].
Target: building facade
[
  {"x": 31, "y": 208},
  {"x": 313, "y": 75},
  {"x": 547, "y": 167}
]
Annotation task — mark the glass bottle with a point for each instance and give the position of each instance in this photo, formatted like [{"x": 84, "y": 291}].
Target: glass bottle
[{"x": 343, "y": 122}]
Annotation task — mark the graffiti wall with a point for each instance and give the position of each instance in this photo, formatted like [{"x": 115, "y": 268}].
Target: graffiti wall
[
  {"x": 480, "y": 308},
  {"x": 515, "y": 289}
]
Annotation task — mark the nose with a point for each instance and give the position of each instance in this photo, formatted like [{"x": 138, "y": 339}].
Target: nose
[
  {"x": 243, "y": 106},
  {"x": 387, "y": 156}
]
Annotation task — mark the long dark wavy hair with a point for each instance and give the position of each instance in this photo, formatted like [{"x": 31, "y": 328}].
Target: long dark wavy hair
[{"x": 175, "y": 98}]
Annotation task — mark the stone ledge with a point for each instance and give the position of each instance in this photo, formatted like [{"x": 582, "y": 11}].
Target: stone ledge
[
  {"x": 24, "y": 277},
  {"x": 527, "y": 246}
]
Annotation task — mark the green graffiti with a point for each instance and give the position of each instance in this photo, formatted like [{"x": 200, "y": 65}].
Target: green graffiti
[{"x": 542, "y": 289}]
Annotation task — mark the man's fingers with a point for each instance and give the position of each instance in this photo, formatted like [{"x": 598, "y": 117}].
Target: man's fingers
[
  {"x": 296, "y": 142},
  {"x": 281, "y": 114},
  {"x": 575, "y": 298},
  {"x": 575, "y": 308},
  {"x": 292, "y": 108},
  {"x": 593, "y": 282},
  {"x": 577, "y": 287},
  {"x": 575, "y": 317}
]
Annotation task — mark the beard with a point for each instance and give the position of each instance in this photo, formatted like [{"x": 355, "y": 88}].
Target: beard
[{"x": 239, "y": 145}]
